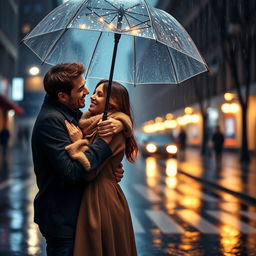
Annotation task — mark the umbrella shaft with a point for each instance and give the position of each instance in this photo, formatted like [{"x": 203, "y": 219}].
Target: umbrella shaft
[{"x": 117, "y": 38}]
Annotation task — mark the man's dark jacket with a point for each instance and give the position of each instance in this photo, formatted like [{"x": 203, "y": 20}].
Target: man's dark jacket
[{"x": 59, "y": 178}]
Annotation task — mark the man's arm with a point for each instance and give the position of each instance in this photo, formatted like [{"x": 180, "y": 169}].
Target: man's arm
[{"x": 53, "y": 138}]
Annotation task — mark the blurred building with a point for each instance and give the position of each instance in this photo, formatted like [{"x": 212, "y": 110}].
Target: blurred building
[
  {"x": 199, "y": 19},
  {"x": 31, "y": 12},
  {"x": 8, "y": 59}
]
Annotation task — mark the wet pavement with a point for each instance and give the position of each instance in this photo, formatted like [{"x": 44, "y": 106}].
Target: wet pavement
[
  {"x": 173, "y": 214},
  {"x": 229, "y": 174}
]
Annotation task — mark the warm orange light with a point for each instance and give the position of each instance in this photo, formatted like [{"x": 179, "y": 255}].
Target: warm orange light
[
  {"x": 188, "y": 110},
  {"x": 110, "y": 25},
  {"x": 101, "y": 19},
  {"x": 225, "y": 108},
  {"x": 234, "y": 108},
  {"x": 169, "y": 116},
  {"x": 170, "y": 124},
  {"x": 230, "y": 108},
  {"x": 159, "y": 119},
  {"x": 82, "y": 26},
  {"x": 229, "y": 96},
  {"x": 26, "y": 28},
  {"x": 195, "y": 118},
  {"x": 181, "y": 121}
]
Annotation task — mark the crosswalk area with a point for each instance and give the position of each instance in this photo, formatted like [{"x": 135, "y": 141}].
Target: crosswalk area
[
  {"x": 188, "y": 208},
  {"x": 167, "y": 223}
]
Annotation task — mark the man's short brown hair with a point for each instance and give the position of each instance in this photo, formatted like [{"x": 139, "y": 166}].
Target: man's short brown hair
[{"x": 59, "y": 78}]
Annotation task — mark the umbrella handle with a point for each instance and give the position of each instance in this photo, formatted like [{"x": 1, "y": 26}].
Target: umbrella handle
[{"x": 105, "y": 114}]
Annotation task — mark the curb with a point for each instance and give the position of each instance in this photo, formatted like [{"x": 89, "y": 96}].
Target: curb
[{"x": 243, "y": 196}]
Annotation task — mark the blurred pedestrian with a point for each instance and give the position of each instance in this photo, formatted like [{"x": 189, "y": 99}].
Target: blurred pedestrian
[
  {"x": 218, "y": 141},
  {"x": 182, "y": 143},
  {"x": 4, "y": 140}
]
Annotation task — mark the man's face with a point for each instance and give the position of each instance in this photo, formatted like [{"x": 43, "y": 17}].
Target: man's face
[{"x": 76, "y": 99}]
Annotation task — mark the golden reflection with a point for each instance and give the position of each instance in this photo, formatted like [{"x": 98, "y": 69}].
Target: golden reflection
[
  {"x": 152, "y": 171},
  {"x": 233, "y": 183},
  {"x": 157, "y": 241},
  {"x": 229, "y": 238},
  {"x": 171, "y": 167},
  {"x": 190, "y": 202},
  {"x": 33, "y": 234},
  {"x": 192, "y": 168},
  {"x": 229, "y": 197},
  {"x": 171, "y": 182},
  {"x": 191, "y": 197},
  {"x": 189, "y": 241}
]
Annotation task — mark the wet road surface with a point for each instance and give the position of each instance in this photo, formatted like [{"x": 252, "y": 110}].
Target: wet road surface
[{"x": 172, "y": 213}]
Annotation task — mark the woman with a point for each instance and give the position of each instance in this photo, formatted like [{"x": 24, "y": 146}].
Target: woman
[{"x": 104, "y": 226}]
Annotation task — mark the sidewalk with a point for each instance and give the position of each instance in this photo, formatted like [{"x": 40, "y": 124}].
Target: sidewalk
[{"x": 230, "y": 175}]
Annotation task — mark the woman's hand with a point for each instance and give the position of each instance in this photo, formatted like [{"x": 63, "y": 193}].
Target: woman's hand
[
  {"x": 74, "y": 132},
  {"x": 109, "y": 127},
  {"x": 119, "y": 172}
]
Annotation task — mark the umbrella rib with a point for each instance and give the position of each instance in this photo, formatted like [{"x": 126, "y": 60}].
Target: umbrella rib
[
  {"x": 65, "y": 30},
  {"x": 104, "y": 15},
  {"x": 138, "y": 29},
  {"x": 149, "y": 15},
  {"x": 127, "y": 21},
  {"x": 133, "y": 17},
  {"x": 97, "y": 8},
  {"x": 131, "y": 7},
  {"x": 141, "y": 24},
  {"x": 89, "y": 66},
  {"x": 113, "y": 18},
  {"x": 139, "y": 14},
  {"x": 134, "y": 62},
  {"x": 174, "y": 69},
  {"x": 54, "y": 45},
  {"x": 112, "y": 5}
]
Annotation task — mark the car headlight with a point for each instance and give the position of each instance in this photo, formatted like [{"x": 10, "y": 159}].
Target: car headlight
[
  {"x": 151, "y": 148},
  {"x": 172, "y": 149}
]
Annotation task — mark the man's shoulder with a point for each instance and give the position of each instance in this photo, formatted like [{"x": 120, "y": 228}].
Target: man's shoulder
[
  {"x": 48, "y": 113},
  {"x": 48, "y": 118}
]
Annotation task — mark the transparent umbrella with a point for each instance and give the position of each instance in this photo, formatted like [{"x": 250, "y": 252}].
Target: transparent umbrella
[{"x": 82, "y": 31}]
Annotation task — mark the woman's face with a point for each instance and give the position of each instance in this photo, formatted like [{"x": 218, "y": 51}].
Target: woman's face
[{"x": 98, "y": 100}]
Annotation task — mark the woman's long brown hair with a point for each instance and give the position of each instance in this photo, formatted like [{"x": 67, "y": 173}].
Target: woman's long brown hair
[{"x": 120, "y": 101}]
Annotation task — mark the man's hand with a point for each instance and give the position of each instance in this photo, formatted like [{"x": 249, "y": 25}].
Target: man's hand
[
  {"x": 74, "y": 132},
  {"x": 109, "y": 127},
  {"x": 119, "y": 173}
]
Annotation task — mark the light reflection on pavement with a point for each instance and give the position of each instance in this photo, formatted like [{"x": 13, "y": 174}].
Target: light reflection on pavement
[{"x": 172, "y": 213}]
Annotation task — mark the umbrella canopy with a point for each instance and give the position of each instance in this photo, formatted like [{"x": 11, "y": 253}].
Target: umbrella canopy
[{"x": 82, "y": 31}]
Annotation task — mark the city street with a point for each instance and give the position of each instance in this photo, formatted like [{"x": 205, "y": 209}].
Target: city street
[
  {"x": 173, "y": 214},
  {"x": 181, "y": 75}
]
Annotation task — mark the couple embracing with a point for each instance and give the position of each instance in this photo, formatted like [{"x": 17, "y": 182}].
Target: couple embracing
[{"x": 80, "y": 208}]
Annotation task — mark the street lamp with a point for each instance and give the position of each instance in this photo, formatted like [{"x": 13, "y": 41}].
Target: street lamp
[
  {"x": 229, "y": 106},
  {"x": 34, "y": 71}
]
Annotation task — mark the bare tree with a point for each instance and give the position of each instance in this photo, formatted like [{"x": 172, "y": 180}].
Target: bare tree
[
  {"x": 233, "y": 19},
  {"x": 203, "y": 95}
]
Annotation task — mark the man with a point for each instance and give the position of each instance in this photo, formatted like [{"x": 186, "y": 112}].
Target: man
[
  {"x": 182, "y": 142},
  {"x": 4, "y": 139},
  {"x": 59, "y": 178},
  {"x": 218, "y": 141}
]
